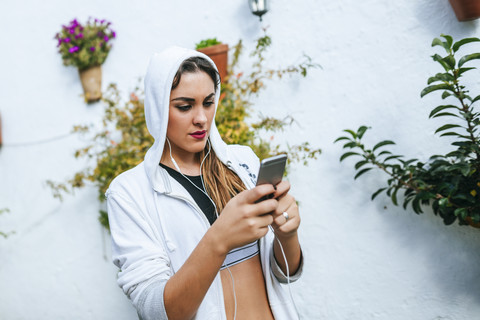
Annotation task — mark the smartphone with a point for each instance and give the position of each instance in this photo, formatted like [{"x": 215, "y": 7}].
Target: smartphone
[{"x": 271, "y": 170}]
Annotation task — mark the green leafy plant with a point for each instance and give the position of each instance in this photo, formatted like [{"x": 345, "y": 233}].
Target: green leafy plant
[
  {"x": 124, "y": 139},
  {"x": 85, "y": 46},
  {"x": 449, "y": 183},
  {"x": 207, "y": 43}
]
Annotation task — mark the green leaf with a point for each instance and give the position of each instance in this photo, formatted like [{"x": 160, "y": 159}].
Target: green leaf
[
  {"x": 384, "y": 152},
  {"x": 436, "y": 87},
  {"x": 443, "y": 202},
  {"x": 442, "y": 114},
  {"x": 440, "y": 108},
  {"x": 376, "y": 193},
  {"x": 432, "y": 80},
  {"x": 449, "y": 40},
  {"x": 446, "y": 127},
  {"x": 361, "y": 163},
  {"x": 461, "y": 212},
  {"x": 450, "y": 61},
  {"x": 460, "y": 43},
  {"x": 406, "y": 163},
  {"x": 467, "y": 58},
  {"x": 406, "y": 201},
  {"x": 440, "y": 60},
  {"x": 446, "y": 77},
  {"x": 425, "y": 195},
  {"x": 476, "y": 98},
  {"x": 351, "y": 144},
  {"x": 361, "y": 131},
  {"x": 416, "y": 205},
  {"x": 463, "y": 70},
  {"x": 354, "y": 135},
  {"x": 446, "y": 94},
  {"x": 391, "y": 157},
  {"x": 362, "y": 172},
  {"x": 341, "y": 138},
  {"x": 348, "y": 154},
  {"x": 394, "y": 196},
  {"x": 450, "y": 133},
  {"x": 438, "y": 42},
  {"x": 382, "y": 143}
]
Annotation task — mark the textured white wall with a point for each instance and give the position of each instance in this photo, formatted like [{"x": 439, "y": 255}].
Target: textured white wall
[{"x": 364, "y": 260}]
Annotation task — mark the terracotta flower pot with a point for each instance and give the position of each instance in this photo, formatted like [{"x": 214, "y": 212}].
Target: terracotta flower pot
[
  {"x": 472, "y": 223},
  {"x": 466, "y": 10},
  {"x": 91, "y": 79},
  {"x": 219, "y": 54}
]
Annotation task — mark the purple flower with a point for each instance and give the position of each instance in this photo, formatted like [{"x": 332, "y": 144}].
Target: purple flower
[
  {"x": 78, "y": 36},
  {"x": 59, "y": 42},
  {"x": 72, "y": 50},
  {"x": 72, "y": 31},
  {"x": 92, "y": 49},
  {"x": 106, "y": 38},
  {"x": 66, "y": 40},
  {"x": 113, "y": 34}
]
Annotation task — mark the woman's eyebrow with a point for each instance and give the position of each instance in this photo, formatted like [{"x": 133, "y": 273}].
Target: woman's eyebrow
[
  {"x": 184, "y": 99},
  {"x": 211, "y": 95}
]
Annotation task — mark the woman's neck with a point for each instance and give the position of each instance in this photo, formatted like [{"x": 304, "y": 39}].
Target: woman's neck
[{"x": 188, "y": 164}]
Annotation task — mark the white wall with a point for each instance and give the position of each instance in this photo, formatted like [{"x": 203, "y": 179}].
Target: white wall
[{"x": 364, "y": 260}]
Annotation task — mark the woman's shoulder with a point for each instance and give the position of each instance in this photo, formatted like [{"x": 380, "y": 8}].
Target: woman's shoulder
[
  {"x": 129, "y": 181},
  {"x": 241, "y": 152}
]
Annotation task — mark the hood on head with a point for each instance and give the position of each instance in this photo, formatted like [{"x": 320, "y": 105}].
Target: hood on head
[{"x": 158, "y": 83}]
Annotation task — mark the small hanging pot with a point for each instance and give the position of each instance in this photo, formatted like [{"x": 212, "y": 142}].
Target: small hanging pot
[
  {"x": 91, "y": 79},
  {"x": 472, "y": 223},
  {"x": 466, "y": 10},
  {"x": 219, "y": 54}
]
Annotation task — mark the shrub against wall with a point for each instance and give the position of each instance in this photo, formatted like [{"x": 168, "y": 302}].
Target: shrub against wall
[
  {"x": 450, "y": 183},
  {"x": 124, "y": 139}
]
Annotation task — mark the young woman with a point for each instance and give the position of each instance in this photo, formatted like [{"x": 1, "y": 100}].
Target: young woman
[{"x": 188, "y": 234}]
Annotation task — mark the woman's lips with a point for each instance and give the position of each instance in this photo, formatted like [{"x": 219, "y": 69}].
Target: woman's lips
[{"x": 199, "y": 134}]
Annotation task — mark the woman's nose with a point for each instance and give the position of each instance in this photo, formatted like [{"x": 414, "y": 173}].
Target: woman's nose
[{"x": 200, "y": 117}]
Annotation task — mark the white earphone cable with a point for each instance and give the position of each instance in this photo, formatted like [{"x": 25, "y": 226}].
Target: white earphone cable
[{"x": 216, "y": 212}]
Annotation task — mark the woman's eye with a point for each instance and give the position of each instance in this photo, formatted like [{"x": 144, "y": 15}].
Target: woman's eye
[
  {"x": 184, "y": 108},
  {"x": 208, "y": 103}
]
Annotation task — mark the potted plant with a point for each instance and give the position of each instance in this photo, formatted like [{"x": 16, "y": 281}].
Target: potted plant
[
  {"x": 466, "y": 10},
  {"x": 86, "y": 47},
  {"x": 218, "y": 52},
  {"x": 448, "y": 183}
]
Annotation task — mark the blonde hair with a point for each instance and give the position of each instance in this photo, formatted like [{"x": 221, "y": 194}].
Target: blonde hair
[{"x": 221, "y": 183}]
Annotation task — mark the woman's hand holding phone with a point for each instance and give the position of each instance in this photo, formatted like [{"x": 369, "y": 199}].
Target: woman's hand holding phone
[
  {"x": 285, "y": 227},
  {"x": 244, "y": 220}
]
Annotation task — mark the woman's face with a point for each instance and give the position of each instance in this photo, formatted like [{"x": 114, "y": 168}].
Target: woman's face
[{"x": 191, "y": 112}]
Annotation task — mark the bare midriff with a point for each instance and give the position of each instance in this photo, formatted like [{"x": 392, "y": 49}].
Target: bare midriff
[{"x": 250, "y": 291}]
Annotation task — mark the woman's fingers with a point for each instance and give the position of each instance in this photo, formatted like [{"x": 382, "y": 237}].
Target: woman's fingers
[
  {"x": 257, "y": 193},
  {"x": 281, "y": 189}
]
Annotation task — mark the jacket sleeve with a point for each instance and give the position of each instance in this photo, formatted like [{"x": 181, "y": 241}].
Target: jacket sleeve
[
  {"x": 137, "y": 250},
  {"x": 278, "y": 273}
]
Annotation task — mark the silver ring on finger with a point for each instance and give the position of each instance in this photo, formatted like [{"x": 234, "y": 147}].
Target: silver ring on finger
[{"x": 286, "y": 216}]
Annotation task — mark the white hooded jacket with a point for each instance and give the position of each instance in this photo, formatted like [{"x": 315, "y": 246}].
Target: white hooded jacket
[{"x": 155, "y": 224}]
